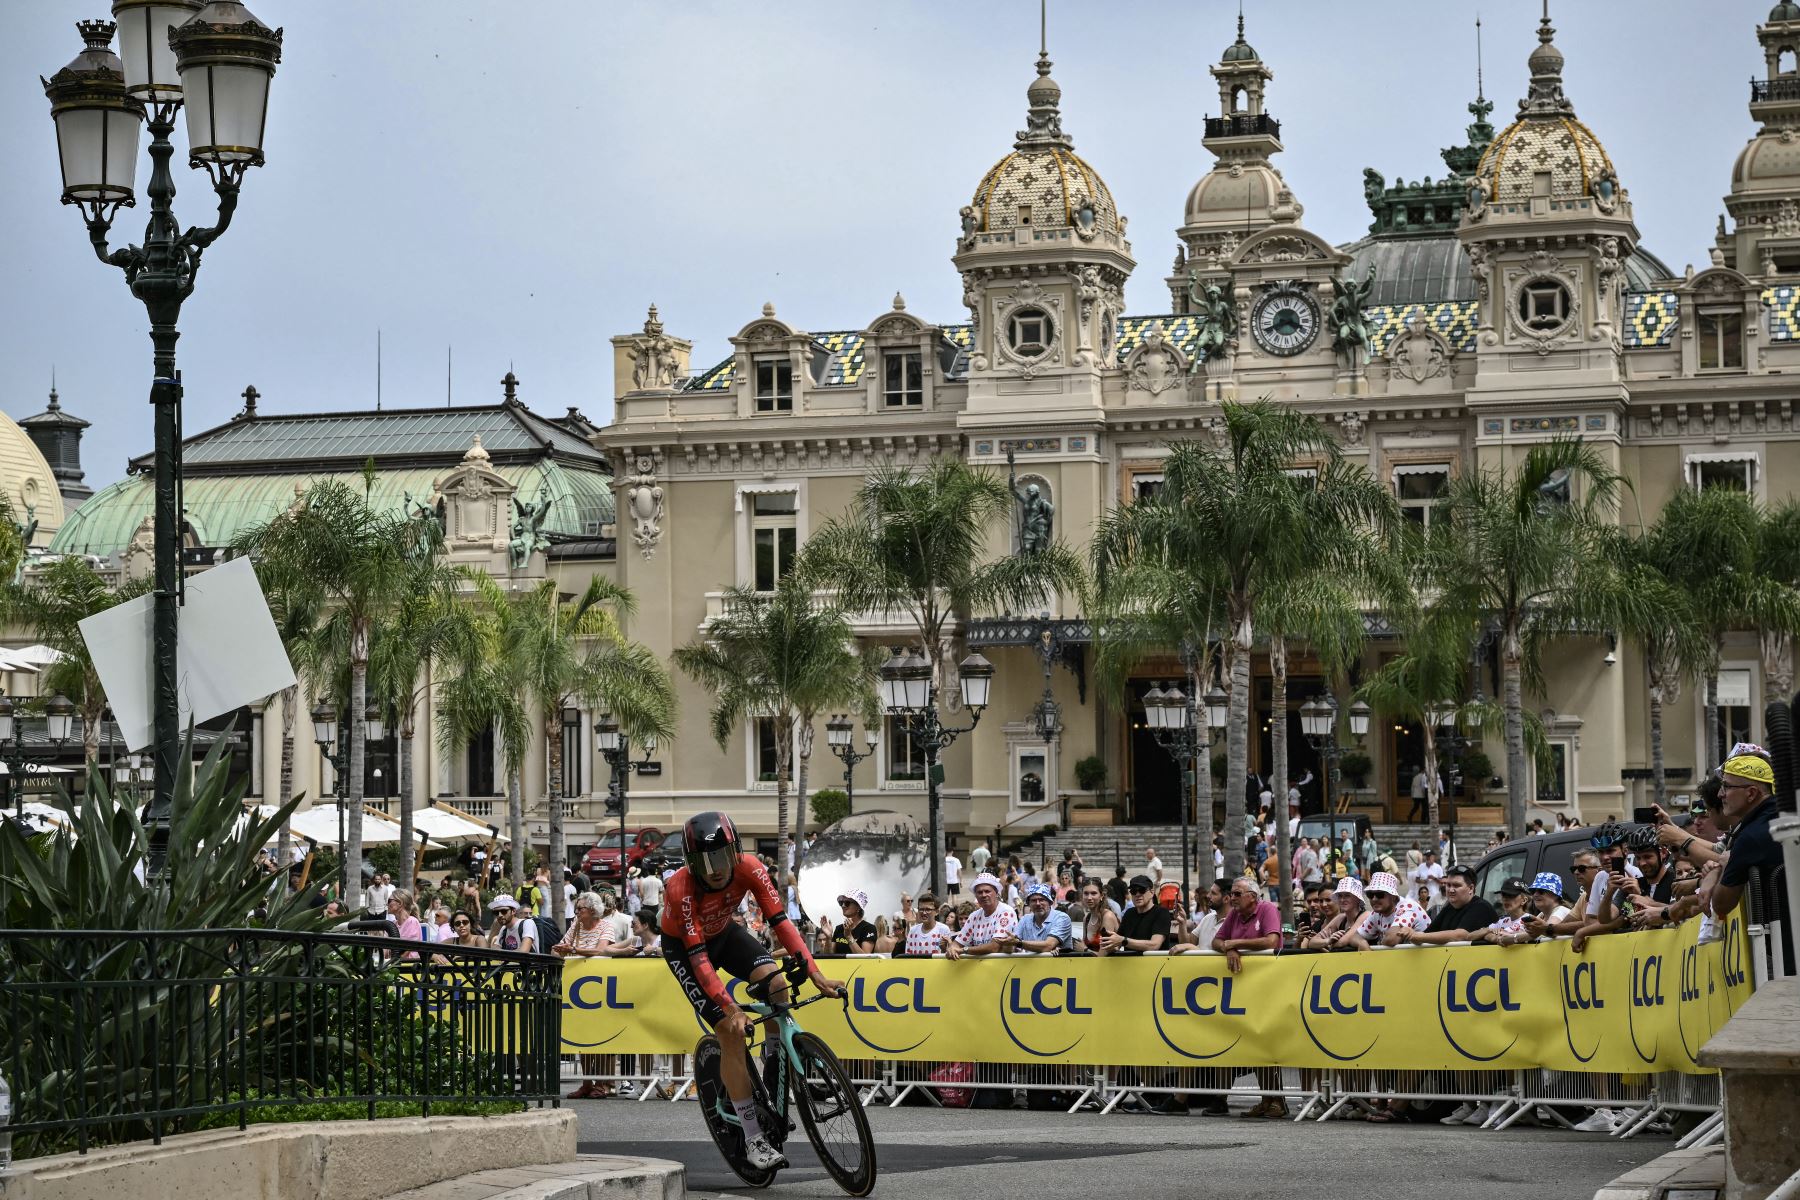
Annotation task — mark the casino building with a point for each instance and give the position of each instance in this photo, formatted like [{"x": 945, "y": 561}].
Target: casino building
[{"x": 1509, "y": 301}]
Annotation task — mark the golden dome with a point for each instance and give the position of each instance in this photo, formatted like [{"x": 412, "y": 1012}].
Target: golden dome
[
  {"x": 1577, "y": 163},
  {"x": 26, "y": 481},
  {"x": 1049, "y": 187},
  {"x": 1043, "y": 183}
]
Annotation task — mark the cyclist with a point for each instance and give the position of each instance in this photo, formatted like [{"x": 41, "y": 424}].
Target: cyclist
[{"x": 699, "y": 935}]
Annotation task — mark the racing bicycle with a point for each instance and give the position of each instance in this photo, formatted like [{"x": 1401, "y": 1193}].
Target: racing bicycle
[{"x": 797, "y": 1064}]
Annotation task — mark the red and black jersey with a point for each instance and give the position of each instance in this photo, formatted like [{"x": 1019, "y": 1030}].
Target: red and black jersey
[{"x": 694, "y": 915}]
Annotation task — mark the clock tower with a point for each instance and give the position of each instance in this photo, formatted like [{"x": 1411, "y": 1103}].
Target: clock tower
[{"x": 1260, "y": 286}]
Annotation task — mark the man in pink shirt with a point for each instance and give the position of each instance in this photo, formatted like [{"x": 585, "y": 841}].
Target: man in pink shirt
[{"x": 1252, "y": 923}]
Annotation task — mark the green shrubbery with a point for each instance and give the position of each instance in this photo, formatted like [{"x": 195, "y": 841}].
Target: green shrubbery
[{"x": 119, "y": 1026}]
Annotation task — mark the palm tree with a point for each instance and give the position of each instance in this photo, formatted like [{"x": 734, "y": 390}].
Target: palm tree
[
  {"x": 913, "y": 547},
  {"x": 1707, "y": 543},
  {"x": 1322, "y": 608},
  {"x": 524, "y": 658},
  {"x": 1674, "y": 644},
  {"x": 352, "y": 564},
  {"x": 52, "y": 604},
  {"x": 577, "y": 651},
  {"x": 296, "y": 623},
  {"x": 783, "y": 656},
  {"x": 1236, "y": 516},
  {"x": 1526, "y": 550},
  {"x": 426, "y": 626},
  {"x": 1143, "y": 605},
  {"x": 1425, "y": 684},
  {"x": 1778, "y": 558},
  {"x": 482, "y": 692}
]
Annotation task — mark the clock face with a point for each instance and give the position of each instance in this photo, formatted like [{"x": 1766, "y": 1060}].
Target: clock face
[{"x": 1284, "y": 321}]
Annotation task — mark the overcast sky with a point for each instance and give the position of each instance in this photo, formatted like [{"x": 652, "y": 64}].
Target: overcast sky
[{"x": 518, "y": 181}]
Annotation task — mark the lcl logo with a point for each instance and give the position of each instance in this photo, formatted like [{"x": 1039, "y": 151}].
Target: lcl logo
[
  {"x": 1192, "y": 1004},
  {"x": 596, "y": 991},
  {"x": 1469, "y": 998},
  {"x": 1040, "y": 1001},
  {"x": 1343, "y": 996},
  {"x": 890, "y": 996},
  {"x": 1581, "y": 987}
]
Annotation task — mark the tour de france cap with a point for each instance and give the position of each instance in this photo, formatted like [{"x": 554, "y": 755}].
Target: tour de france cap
[
  {"x": 986, "y": 879},
  {"x": 1350, "y": 885},
  {"x": 1513, "y": 887},
  {"x": 1382, "y": 881}
]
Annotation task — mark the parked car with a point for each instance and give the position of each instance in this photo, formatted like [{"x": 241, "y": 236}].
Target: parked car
[
  {"x": 601, "y": 862},
  {"x": 1334, "y": 826},
  {"x": 1526, "y": 856}
]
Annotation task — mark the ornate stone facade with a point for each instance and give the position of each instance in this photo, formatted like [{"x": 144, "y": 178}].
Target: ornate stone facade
[{"x": 1531, "y": 312}]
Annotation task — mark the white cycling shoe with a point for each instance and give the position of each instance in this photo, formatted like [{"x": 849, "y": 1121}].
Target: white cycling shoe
[{"x": 764, "y": 1157}]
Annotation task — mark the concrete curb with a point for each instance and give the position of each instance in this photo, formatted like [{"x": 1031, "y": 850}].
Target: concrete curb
[
  {"x": 306, "y": 1160},
  {"x": 1698, "y": 1172},
  {"x": 589, "y": 1177}
]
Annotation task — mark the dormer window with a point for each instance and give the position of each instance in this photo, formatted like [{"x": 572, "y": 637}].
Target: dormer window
[
  {"x": 1544, "y": 306},
  {"x": 774, "y": 385},
  {"x": 1721, "y": 336},
  {"x": 1024, "y": 214},
  {"x": 903, "y": 379}
]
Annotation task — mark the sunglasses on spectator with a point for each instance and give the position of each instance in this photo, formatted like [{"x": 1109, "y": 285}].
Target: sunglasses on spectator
[
  {"x": 1372, "y": 894},
  {"x": 1137, "y": 891},
  {"x": 1585, "y": 867},
  {"x": 463, "y": 923}
]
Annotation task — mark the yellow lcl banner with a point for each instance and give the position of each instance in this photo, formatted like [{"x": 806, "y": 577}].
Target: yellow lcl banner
[{"x": 1631, "y": 1003}]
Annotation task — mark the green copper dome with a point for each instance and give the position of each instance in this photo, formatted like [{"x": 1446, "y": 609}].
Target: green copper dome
[
  {"x": 1787, "y": 10},
  {"x": 1240, "y": 50}
]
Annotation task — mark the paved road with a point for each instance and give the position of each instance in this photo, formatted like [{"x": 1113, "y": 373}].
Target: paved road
[{"x": 932, "y": 1154}]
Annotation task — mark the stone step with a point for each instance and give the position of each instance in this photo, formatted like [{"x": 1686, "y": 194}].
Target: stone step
[{"x": 588, "y": 1177}]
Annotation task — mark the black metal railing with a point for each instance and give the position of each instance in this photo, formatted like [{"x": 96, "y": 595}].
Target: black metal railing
[
  {"x": 110, "y": 1036},
  {"x": 1786, "y": 87},
  {"x": 1243, "y": 125}
]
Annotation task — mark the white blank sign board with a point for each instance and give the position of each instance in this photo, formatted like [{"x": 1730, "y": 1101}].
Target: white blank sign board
[{"x": 227, "y": 653}]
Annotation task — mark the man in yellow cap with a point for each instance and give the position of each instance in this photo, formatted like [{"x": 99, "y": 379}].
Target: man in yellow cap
[{"x": 1749, "y": 806}]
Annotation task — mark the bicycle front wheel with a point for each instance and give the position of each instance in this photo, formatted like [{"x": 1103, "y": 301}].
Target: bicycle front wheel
[{"x": 834, "y": 1118}]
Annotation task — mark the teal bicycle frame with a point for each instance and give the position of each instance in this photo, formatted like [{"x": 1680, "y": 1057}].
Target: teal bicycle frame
[{"x": 779, "y": 1019}]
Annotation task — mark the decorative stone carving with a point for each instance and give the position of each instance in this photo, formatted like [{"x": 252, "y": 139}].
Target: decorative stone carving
[
  {"x": 1352, "y": 424},
  {"x": 1283, "y": 249},
  {"x": 644, "y": 501},
  {"x": 1088, "y": 291},
  {"x": 1419, "y": 354},
  {"x": 475, "y": 501},
  {"x": 1787, "y": 219},
  {"x": 1155, "y": 366},
  {"x": 1037, "y": 515},
  {"x": 654, "y": 362},
  {"x": 1478, "y": 267}
]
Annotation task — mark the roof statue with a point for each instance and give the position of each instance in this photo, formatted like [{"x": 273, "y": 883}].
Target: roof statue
[{"x": 1216, "y": 315}]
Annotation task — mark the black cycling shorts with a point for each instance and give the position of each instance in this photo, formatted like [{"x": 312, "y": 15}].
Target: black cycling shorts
[{"x": 735, "y": 952}]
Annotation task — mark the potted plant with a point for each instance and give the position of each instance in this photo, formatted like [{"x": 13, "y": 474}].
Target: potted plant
[
  {"x": 1356, "y": 767},
  {"x": 1090, "y": 773}
]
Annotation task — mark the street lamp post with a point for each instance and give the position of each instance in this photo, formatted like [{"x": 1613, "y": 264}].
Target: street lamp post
[
  {"x": 215, "y": 62},
  {"x": 1174, "y": 721},
  {"x": 59, "y": 717},
  {"x": 614, "y": 745},
  {"x": 838, "y": 735},
  {"x": 909, "y": 692},
  {"x": 1318, "y": 720},
  {"x": 333, "y": 737}
]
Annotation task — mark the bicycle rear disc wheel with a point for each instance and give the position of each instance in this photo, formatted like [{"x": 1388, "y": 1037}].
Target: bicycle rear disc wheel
[
  {"x": 727, "y": 1136},
  {"x": 834, "y": 1118}
]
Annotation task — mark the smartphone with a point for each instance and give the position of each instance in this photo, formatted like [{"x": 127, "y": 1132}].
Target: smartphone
[{"x": 1644, "y": 816}]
